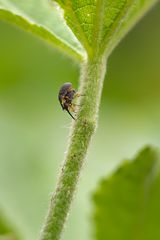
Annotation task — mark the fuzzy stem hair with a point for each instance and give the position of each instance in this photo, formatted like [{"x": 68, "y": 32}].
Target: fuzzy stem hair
[{"x": 91, "y": 82}]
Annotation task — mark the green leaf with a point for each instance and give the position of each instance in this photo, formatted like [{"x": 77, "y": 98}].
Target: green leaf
[
  {"x": 125, "y": 14},
  {"x": 41, "y": 18},
  {"x": 7, "y": 231},
  {"x": 127, "y": 203},
  {"x": 99, "y": 24}
]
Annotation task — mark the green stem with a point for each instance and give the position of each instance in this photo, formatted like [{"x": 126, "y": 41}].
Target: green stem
[{"x": 92, "y": 76}]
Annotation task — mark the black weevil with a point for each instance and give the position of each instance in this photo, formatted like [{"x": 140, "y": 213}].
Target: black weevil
[{"x": 66, "y": 96}]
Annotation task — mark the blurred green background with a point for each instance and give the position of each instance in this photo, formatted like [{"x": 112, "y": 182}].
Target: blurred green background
[{"x": 34, "y": 129}]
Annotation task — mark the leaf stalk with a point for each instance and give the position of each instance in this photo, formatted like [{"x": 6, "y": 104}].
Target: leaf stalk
[{"x": 91, "y": 82}]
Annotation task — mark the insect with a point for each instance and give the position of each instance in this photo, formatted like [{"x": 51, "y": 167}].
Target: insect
[{"x": 66, "y": 96}]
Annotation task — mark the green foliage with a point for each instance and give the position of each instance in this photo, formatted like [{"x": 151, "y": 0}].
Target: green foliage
[
  {"x": 101, "y": 24},
  {"x": 127, "y": 203},
  {"x": 6, "y": 229},
  {"x": 41, "y": 18},
  {"x": 98, "y": 25}
]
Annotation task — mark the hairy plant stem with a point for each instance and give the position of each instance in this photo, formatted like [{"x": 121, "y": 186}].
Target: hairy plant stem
[{"x": 91, "y": 82}]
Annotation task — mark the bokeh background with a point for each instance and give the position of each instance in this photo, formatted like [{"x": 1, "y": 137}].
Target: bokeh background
[{"x": 34, "y": 129}]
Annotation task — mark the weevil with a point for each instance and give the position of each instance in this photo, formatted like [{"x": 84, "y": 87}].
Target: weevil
[{"x": 66, "y": 95}]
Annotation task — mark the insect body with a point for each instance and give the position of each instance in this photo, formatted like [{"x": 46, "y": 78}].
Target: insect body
[{"x": 66, "y": 96}]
